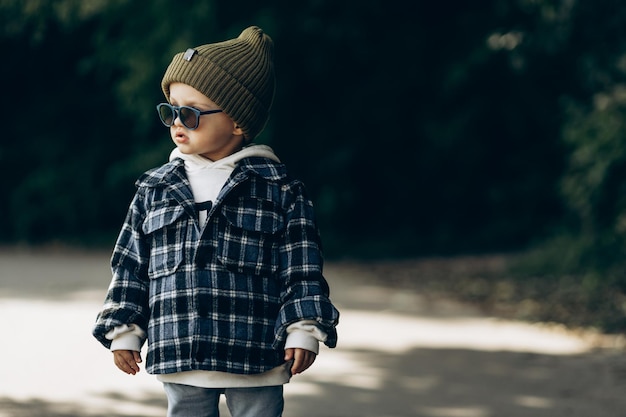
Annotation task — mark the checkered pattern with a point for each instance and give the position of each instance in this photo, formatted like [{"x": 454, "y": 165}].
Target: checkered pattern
[{"x": 220, "y": 298}]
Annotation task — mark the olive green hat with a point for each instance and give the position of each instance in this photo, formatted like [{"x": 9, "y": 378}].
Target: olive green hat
[{"x": 236, "y": 74}]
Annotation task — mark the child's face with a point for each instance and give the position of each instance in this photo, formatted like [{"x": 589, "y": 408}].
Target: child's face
[{"x": 217, "y": 135}]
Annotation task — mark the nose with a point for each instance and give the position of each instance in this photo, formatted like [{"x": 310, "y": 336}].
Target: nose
[{"x": 177, "y": 121}]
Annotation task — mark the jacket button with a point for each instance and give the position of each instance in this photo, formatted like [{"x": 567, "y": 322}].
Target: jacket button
[
  {"x": 200, "y": 354},
  {"x": 200, "y": 261},
  {"x": 202, "y": 257},
  {"x": 202, "y": 307}
]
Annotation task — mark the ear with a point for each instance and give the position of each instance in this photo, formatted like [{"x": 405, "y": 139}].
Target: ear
[{"x": 237, "y": 131}]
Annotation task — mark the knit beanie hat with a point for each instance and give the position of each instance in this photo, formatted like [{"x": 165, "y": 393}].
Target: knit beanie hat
[{"x": 236, "y": 74}]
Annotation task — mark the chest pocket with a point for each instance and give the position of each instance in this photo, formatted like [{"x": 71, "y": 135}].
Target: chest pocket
[
  {"x": 252, "y": 232},
  {"x": 165, "y": 226}
]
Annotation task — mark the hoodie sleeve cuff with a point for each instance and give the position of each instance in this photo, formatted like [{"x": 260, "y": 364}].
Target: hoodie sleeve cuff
[
  {"x": 303, "y": 340},
  {"x": 305, "y": 335},
  {"x": 127, "y": 337}
]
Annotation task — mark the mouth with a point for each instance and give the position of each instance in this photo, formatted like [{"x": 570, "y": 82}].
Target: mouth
[{"x": 180, "y": 137}]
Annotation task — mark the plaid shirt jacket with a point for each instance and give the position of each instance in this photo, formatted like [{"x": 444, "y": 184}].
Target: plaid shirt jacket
[{"x": 218, "y": 298}]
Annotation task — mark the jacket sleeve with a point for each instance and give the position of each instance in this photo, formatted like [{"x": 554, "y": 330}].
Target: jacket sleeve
[
  {"x": 305, "y": 292},
  {"x": 127, "y": 297}
]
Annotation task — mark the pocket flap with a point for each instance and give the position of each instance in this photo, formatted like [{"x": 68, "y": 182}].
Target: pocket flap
[
  {"x": 255, "y": 215},
  {"x": 161, "y": 216}
]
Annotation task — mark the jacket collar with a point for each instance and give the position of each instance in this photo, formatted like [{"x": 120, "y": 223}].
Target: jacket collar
[
  {"x": 174, "y": 172},
  {"x": 173, "y": 177},
  {"x": 262, "y": 167}
]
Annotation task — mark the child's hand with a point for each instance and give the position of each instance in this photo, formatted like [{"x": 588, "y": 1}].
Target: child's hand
[
  {"x": 302, "y": 359},
  {"x": 127, "y": 360}
]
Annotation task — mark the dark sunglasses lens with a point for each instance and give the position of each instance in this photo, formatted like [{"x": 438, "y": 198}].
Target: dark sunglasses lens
[
  {"x": 188, "y": 117},
  {"x": 166, "y": 113}
]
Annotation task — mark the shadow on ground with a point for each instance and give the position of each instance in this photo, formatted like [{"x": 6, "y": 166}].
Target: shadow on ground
[
  {"x": 420, "y": 383},
  {"x": 41, "y": 408},
  {"x": 466, "y": 383},
  {"x": 386, "y": 363}
]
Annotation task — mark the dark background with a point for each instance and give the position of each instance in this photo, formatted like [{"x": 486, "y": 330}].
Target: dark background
[{"x": 420, "y": 128}]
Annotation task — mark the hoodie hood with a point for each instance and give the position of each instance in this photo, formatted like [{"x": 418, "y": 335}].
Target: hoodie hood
[
  {"x": 195, "y": 162},
  {"x": 207, "y": 177}
]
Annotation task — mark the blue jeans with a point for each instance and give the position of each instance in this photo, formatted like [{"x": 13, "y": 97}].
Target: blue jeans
[{"x": 188, "y": 401}]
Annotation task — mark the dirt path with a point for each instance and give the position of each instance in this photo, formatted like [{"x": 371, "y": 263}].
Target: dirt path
[{"x": 400, "y": 354}]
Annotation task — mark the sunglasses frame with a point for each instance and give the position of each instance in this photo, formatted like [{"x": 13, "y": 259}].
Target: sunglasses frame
[{"x": 176, "y": 114}]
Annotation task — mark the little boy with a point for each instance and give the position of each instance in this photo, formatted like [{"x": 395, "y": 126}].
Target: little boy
[{"x": 218, "y": 263}]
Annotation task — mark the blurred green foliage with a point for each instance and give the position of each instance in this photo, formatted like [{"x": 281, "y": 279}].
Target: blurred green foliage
[{"x": 419, "y": 128}]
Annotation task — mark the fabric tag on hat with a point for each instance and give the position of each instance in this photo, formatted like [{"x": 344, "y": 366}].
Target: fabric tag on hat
[{"x": 189, "y": 53}]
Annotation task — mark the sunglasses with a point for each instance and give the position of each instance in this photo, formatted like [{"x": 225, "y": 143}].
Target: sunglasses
[{"x": 189, "y": 117}]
